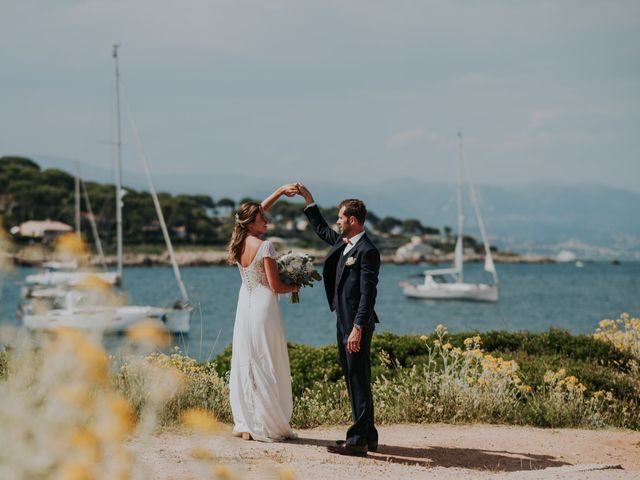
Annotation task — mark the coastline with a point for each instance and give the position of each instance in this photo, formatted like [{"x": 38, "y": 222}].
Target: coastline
[{"x": 216, "y": 257}]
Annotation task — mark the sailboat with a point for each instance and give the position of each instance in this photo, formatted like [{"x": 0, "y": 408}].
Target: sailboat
[
  {"x": 89, "y": 308},
  {"x": 65, "y": 274},
  {"x": 448, "y": 283}
]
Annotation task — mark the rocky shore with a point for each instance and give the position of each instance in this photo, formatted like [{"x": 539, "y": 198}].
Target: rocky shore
[{"x": 210, "y": 257}]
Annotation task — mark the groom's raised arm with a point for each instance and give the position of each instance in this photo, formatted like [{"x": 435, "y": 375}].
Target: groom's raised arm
[{"x": 317, "y": 221}]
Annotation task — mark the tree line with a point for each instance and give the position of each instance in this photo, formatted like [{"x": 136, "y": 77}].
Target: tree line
[{"x": 28, "y": 192}]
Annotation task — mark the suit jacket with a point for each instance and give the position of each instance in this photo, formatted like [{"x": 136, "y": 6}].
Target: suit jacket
[{"x": 351, "y": 284}]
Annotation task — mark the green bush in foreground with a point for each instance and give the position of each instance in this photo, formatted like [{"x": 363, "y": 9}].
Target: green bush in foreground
[{"x": 550, "y": 379}]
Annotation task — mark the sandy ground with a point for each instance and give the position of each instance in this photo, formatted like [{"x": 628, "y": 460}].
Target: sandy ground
[{"x": 406, "y": 452}]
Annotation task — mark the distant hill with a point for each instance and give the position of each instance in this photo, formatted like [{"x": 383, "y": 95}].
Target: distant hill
[{"x": 595, "y": 221}]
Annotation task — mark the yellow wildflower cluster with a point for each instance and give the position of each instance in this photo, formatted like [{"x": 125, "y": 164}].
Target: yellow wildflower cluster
[
  {"x": 476, "y": 367},
  {"x": 57, "y": 402},
  {"x": 473, "y": 342},
  {"x": 623, "y": 333},
  {"x": 71, "y": 247},
  {"x": 560, "y": 381},
  {"x": 200, "y": 420},
  {"x": 181, "y": 363},
  {"x": 603, "y": 394},
  {"x": 149, "y": 333},
  {"x": 65, "y": 415}
]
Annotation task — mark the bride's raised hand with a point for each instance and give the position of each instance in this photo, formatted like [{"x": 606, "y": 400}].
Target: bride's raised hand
[{"x": 290, "y": 190}]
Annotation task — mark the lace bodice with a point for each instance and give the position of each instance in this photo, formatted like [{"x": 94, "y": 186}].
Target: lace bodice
[{"x": 254, "y": 274}]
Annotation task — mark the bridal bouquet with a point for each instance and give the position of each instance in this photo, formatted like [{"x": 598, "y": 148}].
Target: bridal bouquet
[{"x": 297, "y": 268}]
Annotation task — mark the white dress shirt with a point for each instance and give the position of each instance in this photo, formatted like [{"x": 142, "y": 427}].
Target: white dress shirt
[{"x": 353, "y": 241}]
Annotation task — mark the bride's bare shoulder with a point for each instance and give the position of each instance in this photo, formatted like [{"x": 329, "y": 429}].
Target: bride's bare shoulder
[{"x": 253, "y": 242}]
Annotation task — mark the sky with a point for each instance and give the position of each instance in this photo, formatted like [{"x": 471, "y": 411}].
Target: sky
[{"x": 361, "y": 90}]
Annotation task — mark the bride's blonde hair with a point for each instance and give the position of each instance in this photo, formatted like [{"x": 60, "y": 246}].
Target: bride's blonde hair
[{"x": 246, "y": 215}]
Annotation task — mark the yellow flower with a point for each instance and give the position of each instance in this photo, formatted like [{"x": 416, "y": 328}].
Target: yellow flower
[
  {"x": 424, "y": 338},
  {"x": 447, "y": 346},
  {"x": 437, "y": 343},
  {"x": 75, "y": 395},
  {"x": 200, "y": 420},
  {"x": 86, "y": 439},
  {"x": 470, "y": 380},
  {"x": 468, "y": 342},
  {"x": 149, "y": 332},
  {"x": 91, "y": 358},
  {"x": 201, "y": 453},
  {"x": 224, "y": 473},
  {"x": 76, "y": 471},
  {"x": 70, "y": 245},
  {"x": 440, "y": 328},
  {"x": 115, "y": 417},
  {"x": 287, "y": 474},
  {"x": 525, "y": 388},
  {"x": 94, "y": 282}
]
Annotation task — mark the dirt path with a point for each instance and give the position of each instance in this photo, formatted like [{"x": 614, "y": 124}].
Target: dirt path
[{"x": 407, "y": 452}]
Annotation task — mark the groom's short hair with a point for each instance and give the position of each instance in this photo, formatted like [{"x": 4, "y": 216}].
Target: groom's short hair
[{"x": 354, "y": 208}]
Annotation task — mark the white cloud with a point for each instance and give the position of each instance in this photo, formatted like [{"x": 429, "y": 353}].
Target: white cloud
[
  {"x": 402, "y": 139},
  {"x": 539, "y": 116}
]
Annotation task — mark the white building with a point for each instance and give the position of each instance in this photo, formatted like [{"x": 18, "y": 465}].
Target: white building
[
  {"x": 414, "y": 250},
  {"x": 42, "y": 228}
]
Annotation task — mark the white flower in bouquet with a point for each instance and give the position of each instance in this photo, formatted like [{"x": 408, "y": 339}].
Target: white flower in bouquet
[{"x": 297, "y": 268}]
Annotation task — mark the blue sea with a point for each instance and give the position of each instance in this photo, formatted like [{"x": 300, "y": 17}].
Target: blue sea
[{"x": 532, "y": 297}]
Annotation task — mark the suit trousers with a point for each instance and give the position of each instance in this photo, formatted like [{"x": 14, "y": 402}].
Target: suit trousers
[{"x": 357, "y": 373}]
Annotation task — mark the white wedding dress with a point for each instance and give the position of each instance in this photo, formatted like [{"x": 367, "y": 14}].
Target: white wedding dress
[{"x": 260, "y": 379}]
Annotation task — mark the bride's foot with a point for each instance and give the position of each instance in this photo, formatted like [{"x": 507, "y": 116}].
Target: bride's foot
[
  {"x": 236, "y": 434},
  {"x": 246, "y": 436}
]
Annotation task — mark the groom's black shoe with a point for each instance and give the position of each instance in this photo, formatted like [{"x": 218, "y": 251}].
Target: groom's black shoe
[
  {"x": 344, "y": 449},
  {"x": 371, "y": 446}
]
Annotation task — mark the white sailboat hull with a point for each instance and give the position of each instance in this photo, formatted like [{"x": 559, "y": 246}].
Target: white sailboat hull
[
  {"x": 109, "y": 320},
  {"x": 475, "y": 292},
  {"x": 70, "y": 279}
]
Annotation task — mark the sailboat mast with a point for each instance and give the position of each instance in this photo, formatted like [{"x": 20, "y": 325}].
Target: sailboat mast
[
  {"x": 94, "y": 227},
  {"x": 488, "y": 262},
  {"x": 118, "y": 160},
  {"x": 460, "y": 243},
  {"x": 77, "y": 192},
  {"x": 156, "y": 203}
]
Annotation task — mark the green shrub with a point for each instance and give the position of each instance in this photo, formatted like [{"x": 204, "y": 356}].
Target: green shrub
[
  {"x": 3, "y": 364},
  {"x": 412, "y": 384}
]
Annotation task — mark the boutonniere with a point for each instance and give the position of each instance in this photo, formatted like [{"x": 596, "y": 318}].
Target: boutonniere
[{"x": 350, "y": 261}]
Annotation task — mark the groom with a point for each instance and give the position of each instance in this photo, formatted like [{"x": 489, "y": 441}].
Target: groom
[{"x": 350, "y": 277}]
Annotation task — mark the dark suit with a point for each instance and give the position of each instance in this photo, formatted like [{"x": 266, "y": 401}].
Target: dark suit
[{"x": 350, "y": 282}]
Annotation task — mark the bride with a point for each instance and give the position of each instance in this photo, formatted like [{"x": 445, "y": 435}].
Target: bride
[{"x": 260, "y": 379}]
